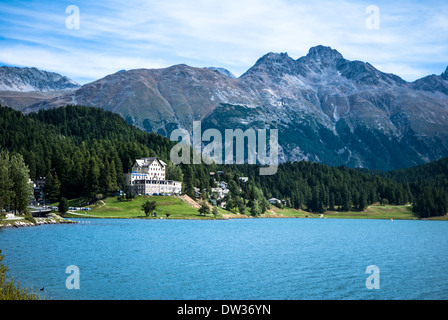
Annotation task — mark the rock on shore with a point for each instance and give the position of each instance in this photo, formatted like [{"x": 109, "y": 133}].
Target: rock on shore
[{"x": 27, "y": 223}]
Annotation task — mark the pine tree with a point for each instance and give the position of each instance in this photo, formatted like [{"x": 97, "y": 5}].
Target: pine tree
[
  {"x": 173, "y": 172},
  {"x": 105, "y": 179},
  {"x": 256, "y": 209},
  {"x": 332, "y": 202},
  {"x": 5, "y": 180},
  {"x": 362, "y": 205},
  {"x": 204, "y": 209},
  {"x": 63, "y": 206},
  {"x": 52, "y": 188},
  {"x": 188, "y": 182},
  {"x": 113, "y": 177},
  {"x": 92, "y": 185},
  {"x": 346, "y": 200},
  {"x": 21, "y": 187},
  {"x": 316, "y": 204}
]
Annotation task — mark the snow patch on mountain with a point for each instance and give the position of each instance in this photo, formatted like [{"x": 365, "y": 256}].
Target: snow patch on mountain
[{"x": 33, "y": 79}]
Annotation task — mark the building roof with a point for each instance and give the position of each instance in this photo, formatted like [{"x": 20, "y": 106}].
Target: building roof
[{"x": 144, "y": 162}]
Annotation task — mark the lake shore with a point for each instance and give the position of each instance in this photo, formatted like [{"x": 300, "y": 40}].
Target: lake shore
[
  {"x": 175, "y": 208},
  {"x": 22, "y": 222}
]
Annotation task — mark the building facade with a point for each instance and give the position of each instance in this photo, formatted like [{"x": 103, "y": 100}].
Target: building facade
[
  {"x": 38, "y": 190},
  {"x": 147, "y": 177}
]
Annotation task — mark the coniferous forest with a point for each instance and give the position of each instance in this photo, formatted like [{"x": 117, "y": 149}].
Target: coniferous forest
[{"x": 85, "y": 151}]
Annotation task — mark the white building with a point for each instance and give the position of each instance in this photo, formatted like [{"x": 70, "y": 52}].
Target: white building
[
  {"x": 148, "y": 178},
  {"x": 220, "y": 192},
  {"x": 222, "y": 185},
  {"x": 274, "y": 201}
]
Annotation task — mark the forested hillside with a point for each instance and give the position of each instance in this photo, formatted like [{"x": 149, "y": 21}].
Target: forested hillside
[
  {"x": 429, "y": 184},
  {"x": 84, "y": 150},
  {"x": 318, "y": 187}
]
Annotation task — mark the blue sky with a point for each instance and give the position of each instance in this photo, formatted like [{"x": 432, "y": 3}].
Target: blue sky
[{"x": 412, "y": 39}]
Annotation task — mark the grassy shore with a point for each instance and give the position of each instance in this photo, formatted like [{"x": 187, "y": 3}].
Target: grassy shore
[
  {"x": 132, "y": 209},
  {"x": 178, "y": 209},
  {"x": 375, "y": 211}
]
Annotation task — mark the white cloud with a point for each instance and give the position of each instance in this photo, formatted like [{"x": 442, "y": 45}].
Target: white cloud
[{"x": 78, "y": 65}]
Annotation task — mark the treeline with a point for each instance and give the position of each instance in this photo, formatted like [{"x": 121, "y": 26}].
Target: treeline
[
  {"x": 318, "y": 187},
  {"x": 429, "y": 185}
]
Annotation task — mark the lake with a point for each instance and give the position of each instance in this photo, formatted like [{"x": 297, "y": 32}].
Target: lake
[{"x": 257, "y": 259}]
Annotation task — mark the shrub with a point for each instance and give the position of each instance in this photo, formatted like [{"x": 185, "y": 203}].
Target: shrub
[
  {"x": 10, "y": 291},
  {"x": 30, "y": 219}
]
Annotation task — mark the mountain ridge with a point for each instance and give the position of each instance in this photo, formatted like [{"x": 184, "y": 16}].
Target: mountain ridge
[
  {"x": 327, "y": 108},
  {"x": 32, "y": 79}
]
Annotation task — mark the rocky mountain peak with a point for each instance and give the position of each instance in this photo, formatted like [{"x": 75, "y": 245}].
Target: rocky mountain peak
[
  {"x": 272, "y": 64},
  {"x": 445, "y": 74},
  {"x": 274, "y": 59},
  {"x": 324, "y": 53},
  {"x": 223, "y": 71},
  {"x": 320, "y": 60}
]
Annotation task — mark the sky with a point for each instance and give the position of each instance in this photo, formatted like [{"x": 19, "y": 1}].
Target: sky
[{"x": 87, "y": 40}]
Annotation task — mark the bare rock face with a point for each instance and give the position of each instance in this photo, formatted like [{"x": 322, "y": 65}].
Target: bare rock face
[
  {"x": 326, "y": 108},
  {"x": 445, "y": 74}
]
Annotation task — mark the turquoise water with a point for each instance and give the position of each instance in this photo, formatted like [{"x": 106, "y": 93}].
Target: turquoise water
[{"x": 267, "y": 259}]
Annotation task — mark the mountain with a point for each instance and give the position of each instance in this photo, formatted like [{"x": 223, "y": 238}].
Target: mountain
[
  {"x": 433, "y": 83},
  {"x": 33, "y": 79},
  {"x": 156, "y": 99},
  {"x": 327, "y": 109},
  {"x": 21, "y": 87},
  {"x": 223, "y": 71}
]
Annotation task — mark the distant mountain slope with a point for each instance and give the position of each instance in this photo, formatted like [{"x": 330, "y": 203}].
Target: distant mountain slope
[
  {"x": 21, "y": 87},
  {"x": 33, "y": 79},
  {"x": 327, "y": 108},
  {"x": 156, "y": 99},
  {"x": 224, "y": 72}
]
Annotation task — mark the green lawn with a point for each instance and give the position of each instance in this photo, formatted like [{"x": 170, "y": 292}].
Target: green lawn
[
  {"x": 372, "y": 212},
  {"x": 112, "y": 208},
  {"x": 289, "y": 212},
  {"x": 377, "y": 212}
]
